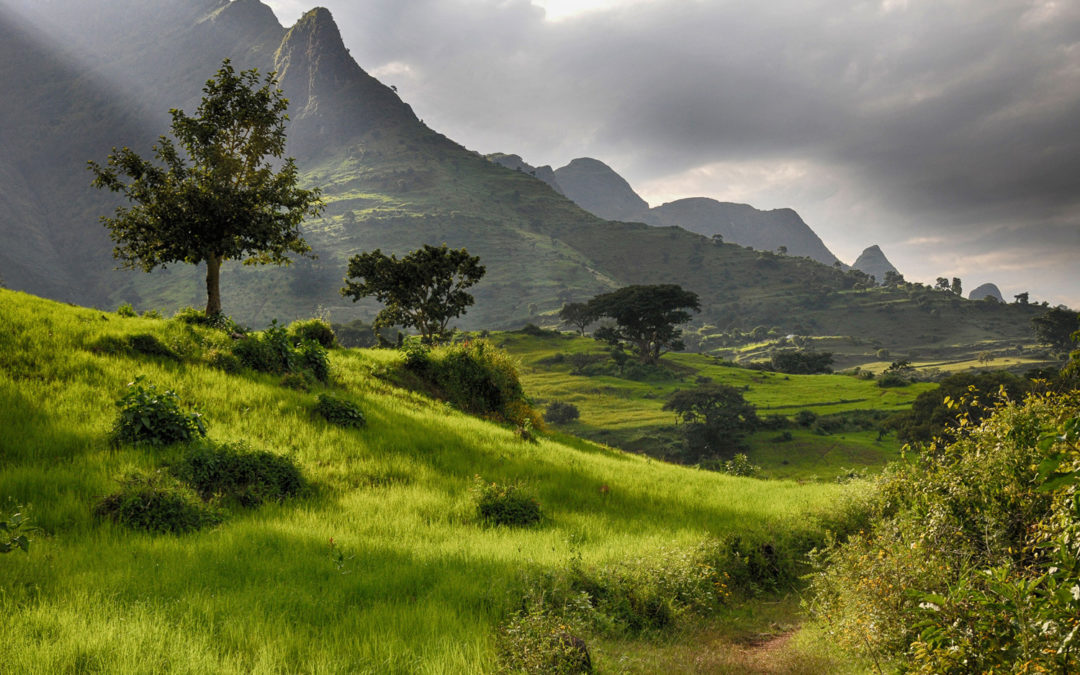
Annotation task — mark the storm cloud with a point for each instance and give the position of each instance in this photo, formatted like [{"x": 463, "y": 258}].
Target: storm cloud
[{"x": 948, "y": 131}]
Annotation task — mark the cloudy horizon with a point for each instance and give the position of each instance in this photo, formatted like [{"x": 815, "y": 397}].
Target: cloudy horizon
[{"x": 943, "y": 131}]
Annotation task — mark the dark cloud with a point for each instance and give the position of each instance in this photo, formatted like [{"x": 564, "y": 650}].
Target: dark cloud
[{"x": 947, "y": 118}]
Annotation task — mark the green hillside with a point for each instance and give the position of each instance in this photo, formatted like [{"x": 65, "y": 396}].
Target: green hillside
[
  {"x": 381, "y": 565},
  {"x": 627, "y": 413}
]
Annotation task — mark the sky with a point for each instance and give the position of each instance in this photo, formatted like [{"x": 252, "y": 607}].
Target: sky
[{"x": 946, "y": 131}]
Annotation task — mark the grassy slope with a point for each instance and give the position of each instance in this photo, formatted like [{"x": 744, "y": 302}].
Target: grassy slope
[
  {"x": 628, "y": 413},
  {"x": 422, "y": 585}
]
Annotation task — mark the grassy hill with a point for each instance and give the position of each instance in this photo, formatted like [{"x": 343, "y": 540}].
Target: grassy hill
[{"x": 382, "y": 565}]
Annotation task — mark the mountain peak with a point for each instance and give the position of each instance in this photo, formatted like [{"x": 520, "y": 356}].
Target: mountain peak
[
  {"x": 331, "y": 97},
  {"x": 872, "y": 261},
  {"x": 595, "y": 187}
]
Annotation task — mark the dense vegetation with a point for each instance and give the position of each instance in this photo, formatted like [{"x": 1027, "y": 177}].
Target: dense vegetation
[{"x": 391, "y": 565}]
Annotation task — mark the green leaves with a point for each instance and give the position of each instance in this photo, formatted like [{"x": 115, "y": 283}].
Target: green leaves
[
  {"x": 13, "y": 533},
  {"x": 422, "y": 290},
  {"x": 646, "y": 317}
]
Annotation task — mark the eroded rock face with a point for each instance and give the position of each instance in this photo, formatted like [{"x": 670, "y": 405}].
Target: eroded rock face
[{"x": 595, "y": 187}]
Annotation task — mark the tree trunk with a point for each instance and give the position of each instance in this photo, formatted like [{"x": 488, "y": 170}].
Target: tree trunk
[{"x": 213, "y": 292}]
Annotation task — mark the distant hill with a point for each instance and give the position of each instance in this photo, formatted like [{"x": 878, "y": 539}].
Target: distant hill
[
  {"x": 595, "y": 187},
  {"x": 872, "y": 261},
  {"x": 984, "y": 291}
]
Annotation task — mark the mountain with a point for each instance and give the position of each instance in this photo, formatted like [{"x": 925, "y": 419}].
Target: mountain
[
  {"x": 597, "y": 188},
  {"x": 872, "y": 261},
  {"x": 984, "y": 291},
  {"x": 516, "y": 163},
  {"x": 389, "y": 182}
]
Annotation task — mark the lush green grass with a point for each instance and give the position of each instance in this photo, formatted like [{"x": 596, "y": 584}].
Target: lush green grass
[
  {"x": 628, "y": 413},
  {"x": 412, "y": 583}
]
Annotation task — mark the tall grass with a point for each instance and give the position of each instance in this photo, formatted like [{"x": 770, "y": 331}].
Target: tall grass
[{"x": 383, "y": 568}]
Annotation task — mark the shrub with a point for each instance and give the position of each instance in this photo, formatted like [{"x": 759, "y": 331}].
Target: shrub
[
  {"x": 804, "y": 418},
  {"x": 297, "y": 381},
  {"x": 740, "y": 465},
  {"x": 537, "y": 641},
  {"x": 970, "y": 563},
  {"x": 505, "y": 504},
  {"x": 126, "y": 310},
  {"x": 561, "y": 413},
  {"x": 13, "y": 530},
  {"x": 223, "y": 361},
  {"x": 156, "y": 418},
  {"x": 339, "y": 412},
  {"x": 154, "y": 503},
  {"x": 149, "y": 345},
  {"x": 235, "y": 473},
  {"x": 195, "y": 317},
  {"x": 892, "y": 380},
  {"x": 151, "y": 314},
  {"x": 475, "y": 377},
  {"x": 312, "y": 329},
  {"x": 311, "y": 357}
]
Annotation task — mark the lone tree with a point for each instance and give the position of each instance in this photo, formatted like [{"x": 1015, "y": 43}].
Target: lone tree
[
  {"x": 576, "y": 314},
  {"x": 715, "y": 417},
  {"x": 229, "y": 203},
  {"x": 645, "y": 318},
  {"x": 423, "y": 290}
]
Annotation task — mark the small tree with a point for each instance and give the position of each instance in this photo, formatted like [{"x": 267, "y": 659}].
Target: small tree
[
  {"x": 715, "y": 417},
  {"x": 423, "y": 290},
  {"x": 577, "y": 315},
  {"x": 1022, "y": 298},
  {"x": 229, "y": 204},
  {"x": 645, "y": 318},
  {"x": 957, "y": 288}
]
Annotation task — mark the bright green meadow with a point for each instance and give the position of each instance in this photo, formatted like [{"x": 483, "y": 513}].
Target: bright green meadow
[{"x": 382, "y": 566}]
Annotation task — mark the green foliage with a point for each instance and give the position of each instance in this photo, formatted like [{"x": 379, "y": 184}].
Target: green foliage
[
  {"x": 559, "y": 412},
  {"x": 936, "y": 413},
  {"x": 157, "y": 504},
  {"x": 422, "y": 290},
  {"x": 339, "y": 412},
  {"x": 798, "y": 362},
  {"x": 1055, "y": 328},
  {"x": 126, "y": 310},
  {"x": 272, "y": 351},
  {"x": 510, "y": 504},
  {"x": 13, "y": 531},
  {"x": 226, "y": 362},
  {"x": 577, "y": 315},
  {"x": 311, "y": 357},
  {"x": 971, "y": 562},
  {"x": 714, "y": 417},
  {"x": 230, "y": 203},
  {"x": 889, "y": 379},
  {"x": 740, "y": 465},
  {"x": 537, "y": 642},
  {"x": 218, "y": 321},
  {"x": 645, "y": 318},
  {"x": 313, "y": 329},
  {"x": 233, "y": 472},
  {"x": 149, "y": 416},
  {"x": 475, "y": 377}
]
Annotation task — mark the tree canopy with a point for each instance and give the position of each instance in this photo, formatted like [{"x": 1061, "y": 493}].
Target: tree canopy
[
  {"x": 576, "y": 314},
  {"x": 422, "y": 290},
  {"x": 225, "y": 201},
  {"x": 1056, "y": 327},
  {"x": 646, "y": 318},
  {"x": 715, "y": 417}
]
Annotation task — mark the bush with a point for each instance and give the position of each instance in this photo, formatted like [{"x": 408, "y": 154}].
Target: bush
[
  {"x": 223, "y": 361},
  {"x": 474, "y": 377},
  {"x": 970, "y": 563},
  {"x": 312, "y": 329},
  {"x": 509, "y": 505},
  {"x": 339, "y": 412},
  {"x": 195, "y": 317},
  {"x": 892, "y": 380},
  {"x": 801, "y": 362},
  {"x": 156, "y": 418},
  {"x": 740, "y": 465},
  {"x": 233, "y": 472},
  {"x": 311, "y": 357},
  {"x": 126, "y": 310},
  {"x": 561, "y": 413},
  {"x": 154, "y": 503},
  {"x": 804, "y": 418},
  {"x": 149, "y": 345},
  {"x": 13, "y": 530}
]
